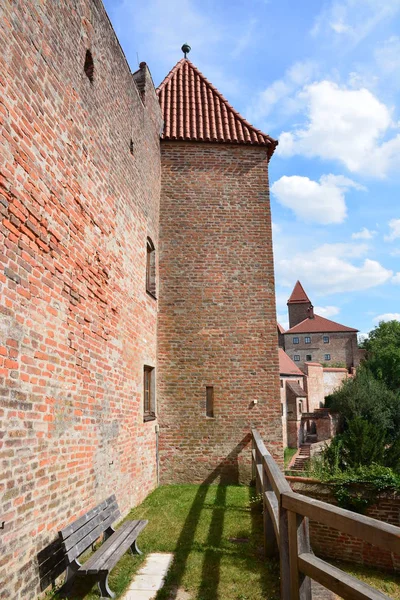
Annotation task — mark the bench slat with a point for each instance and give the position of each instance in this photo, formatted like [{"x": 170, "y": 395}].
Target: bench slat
[
  {"x": 84, "y": 543},
  {"x": 81, "y": 533},
  {"x": 72, "y": 527},
  {"x": 107, "y": 556}
]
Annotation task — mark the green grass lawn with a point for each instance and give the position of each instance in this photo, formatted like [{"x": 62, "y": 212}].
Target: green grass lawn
[
  {"x": 216, "y": 538},
  {"x": 215, "y": 533},
  {"x": 387, "y": 583},
  {"x": 289, "y": 453}
]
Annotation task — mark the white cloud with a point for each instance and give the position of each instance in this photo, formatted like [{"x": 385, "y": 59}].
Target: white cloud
[
  {"x": 283, "y": 320},
  {"x": 346, "y": 125},
  {"x": 396, "y": 278},
  {"x": 327, "y": 311},
  {"x": 394, "y": 226},
  {"x": 330, "y": 268},
  {"x": 313, "y": 201},
  {"x": 387, "y": 56},
  {"x": 282, "y": 92},
  {"x": 352, "y": 21},
  {"x": 364, "y": 234},
  {"x": 387, "y": 317}
]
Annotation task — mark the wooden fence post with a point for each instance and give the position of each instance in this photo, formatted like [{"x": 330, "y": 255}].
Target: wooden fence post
[
  {"x": 270, "y": 541},
  {"x": 299, "y": 543},
  {"x": 284, "y": 562}
]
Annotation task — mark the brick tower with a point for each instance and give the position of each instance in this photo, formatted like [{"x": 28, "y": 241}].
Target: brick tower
[
  {"x": 299, "y": 305},
  {"x": 218, "y": 369}
]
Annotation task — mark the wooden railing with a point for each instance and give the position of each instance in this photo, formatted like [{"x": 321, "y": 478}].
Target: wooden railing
[{"x": 286, "y": 516}]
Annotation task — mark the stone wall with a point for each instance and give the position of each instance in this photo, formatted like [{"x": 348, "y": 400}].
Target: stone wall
[
  {"x": 330, "y": 543},
  {"x": 80, "y": 182},
  {"x": 342, "y": 348},
  {"x": 314, "y": 383},
  {"x": 217, "y": 323},
  {"x": 333, "y": 379}
]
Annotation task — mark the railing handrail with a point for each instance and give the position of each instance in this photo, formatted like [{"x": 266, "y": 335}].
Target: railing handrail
[{"x": 286, "y": 515}]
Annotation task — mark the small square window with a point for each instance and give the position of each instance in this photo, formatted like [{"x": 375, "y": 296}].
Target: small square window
[
  {"x": 308, "y": 357},
  {"x": 296, "y": 340},
  {"x": 327, "y": 357},
  {"x": 149, "y": 403},
  {"x": 307, "y": 340},
  {"x": 296, "y": 357},
  {"x": 326, "y": 339}
]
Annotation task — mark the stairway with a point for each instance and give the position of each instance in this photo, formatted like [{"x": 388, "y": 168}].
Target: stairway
[{"x": 300, "y": 460}]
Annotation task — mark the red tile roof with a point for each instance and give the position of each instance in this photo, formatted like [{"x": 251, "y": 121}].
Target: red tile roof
[
  {"x": 286, "y": 365},
  {"x": 194, "y": 110},
  {"x": 280, "y": 328},
  {"x": 319, "y": 324},
  {"x": 297, "y": 389},
  {"x": 298, "y": 295}
]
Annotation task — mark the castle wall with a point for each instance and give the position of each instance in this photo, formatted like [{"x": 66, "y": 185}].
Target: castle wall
[
  {"x": 77, "y": 326},
  {"x": 217, "y": 323},
  {"x": 298, "y": 311},
  {"x": 342, "y": 348}
]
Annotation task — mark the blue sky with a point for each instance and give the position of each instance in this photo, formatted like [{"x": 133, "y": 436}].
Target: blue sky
[{"x": 324, "y": 78}]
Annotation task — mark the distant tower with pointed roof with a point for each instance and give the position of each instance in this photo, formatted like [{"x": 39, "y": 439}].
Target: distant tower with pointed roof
[
  {"x": 299, "y": 305},
  {"x": 218, "y": 369}
]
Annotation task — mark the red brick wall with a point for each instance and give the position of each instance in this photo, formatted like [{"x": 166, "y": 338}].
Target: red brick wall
[
  {"x": 330, "y": 543},
  {"x": 298, "y": 312},
  {"x": 217, "y": 323},
  {"x": 342, "y": 347},
  {"x": 76, "y": 323}
]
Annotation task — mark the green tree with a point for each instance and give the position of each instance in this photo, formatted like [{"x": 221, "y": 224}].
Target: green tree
[
  {"x": 370, "y": 399},
  {"x": 383, "y": 353}
]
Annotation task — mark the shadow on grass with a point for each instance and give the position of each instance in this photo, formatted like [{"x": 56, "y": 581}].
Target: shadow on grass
[{"x": 212, "y": 564}]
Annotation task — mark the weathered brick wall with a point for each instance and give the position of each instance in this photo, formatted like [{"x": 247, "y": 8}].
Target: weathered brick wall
[
  {"x": 331, "y": 543},
  {"x": 298, "y": 312},
  {"x": 333, "y": 379},
  {"x": 76, "y": 323},
  {"x": 217, "y": 323},
  {"x": 314, "y": 383},
  {"x": 342, "y": 347}
]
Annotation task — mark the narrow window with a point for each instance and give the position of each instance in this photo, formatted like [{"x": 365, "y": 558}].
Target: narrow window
[
  {"x": 296, "y": 357},
  {"x": 326, "y": 339},
  {"x": 149, "y": 405},
  {"x": 131, "y": 146},
  {"x": 295, "y": 340},
  {"x": 209, "y": 401},
  {"x": 151, "y": 268},
  {"x": 89, "y": 66},
  {"x": 308, "y": 357},
  {"x": 327, "y": 357},
  {"x": 307, "y": 340}
]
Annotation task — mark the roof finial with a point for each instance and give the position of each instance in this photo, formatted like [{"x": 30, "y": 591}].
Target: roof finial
[{"x": 186, "y": 49}]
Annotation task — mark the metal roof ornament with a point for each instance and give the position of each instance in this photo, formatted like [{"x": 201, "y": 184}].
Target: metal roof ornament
[{"x": 186, "y": 49}]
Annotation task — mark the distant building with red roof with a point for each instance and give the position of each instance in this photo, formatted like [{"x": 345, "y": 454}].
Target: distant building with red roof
[{"x": 312, "y": 338}]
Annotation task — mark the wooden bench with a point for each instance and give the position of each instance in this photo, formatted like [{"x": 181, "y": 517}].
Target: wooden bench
[{"x": 82, "y": 533}]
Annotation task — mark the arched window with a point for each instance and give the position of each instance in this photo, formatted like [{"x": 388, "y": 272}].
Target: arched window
[{"x": 151, "y": 268}]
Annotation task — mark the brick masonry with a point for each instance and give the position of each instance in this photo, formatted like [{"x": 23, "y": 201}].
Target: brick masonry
[
  {"x": 342, "y": 347},
  {"x": 79, "y": 194},
  {"x": 217, "y": 323},
  {"x": 330, "y": 543}
]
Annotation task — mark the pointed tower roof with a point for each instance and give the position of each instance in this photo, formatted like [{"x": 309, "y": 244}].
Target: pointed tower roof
[
  {"x": 194, "y": 110},
  {"x": 298, "y": 295}
]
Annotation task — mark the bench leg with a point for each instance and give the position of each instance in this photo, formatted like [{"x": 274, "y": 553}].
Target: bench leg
[
  {"x": 135, "y": 549},
  {"x": 72, "y": 569},
  {"x": 102, "y": 584}
]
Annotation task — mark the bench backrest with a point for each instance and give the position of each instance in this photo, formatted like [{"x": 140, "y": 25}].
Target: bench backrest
[{"x": 80, "y": 534}]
